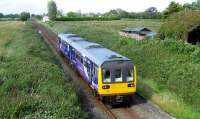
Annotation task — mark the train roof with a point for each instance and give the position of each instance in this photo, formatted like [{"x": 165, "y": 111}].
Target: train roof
[
  {"x": 94, "y": 51},
  {"x": 65, "y": 35}
]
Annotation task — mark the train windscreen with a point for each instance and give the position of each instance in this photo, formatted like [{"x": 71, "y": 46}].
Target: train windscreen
[{"x": 118, "y": 74}]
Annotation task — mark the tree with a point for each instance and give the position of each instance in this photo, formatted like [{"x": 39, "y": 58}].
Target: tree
[
  {"x": 36, "y": 16},
  {"x": 192, "y": 6},
  {"x": 73, "y": 14},
  {"x": 52, "y": 10},
  {"x": 117, "y": 13},
  {"x": 151, "y": 13},
  {"x": 24, "y": 16},
  {"x": 172, "y": 8},
  {"x": 152, "y": 10},
  {"x": 1, "y": 15},
  {"x": 60, "y": 13},
  {"x": 198, "y": 3}
]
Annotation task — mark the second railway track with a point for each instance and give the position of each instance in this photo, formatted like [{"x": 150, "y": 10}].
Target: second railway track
[{"x": 108, "y": 112}]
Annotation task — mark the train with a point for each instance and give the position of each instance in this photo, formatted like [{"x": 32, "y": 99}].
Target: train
[{"x": 111, "y": 76}]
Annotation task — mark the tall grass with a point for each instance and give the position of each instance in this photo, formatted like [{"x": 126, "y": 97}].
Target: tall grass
[
  {"x": 32, "y": 83},
  {"x": 165, "y": 68}
]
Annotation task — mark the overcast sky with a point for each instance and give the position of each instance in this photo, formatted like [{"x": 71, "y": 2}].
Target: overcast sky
[{"x": 85, "y": 6}]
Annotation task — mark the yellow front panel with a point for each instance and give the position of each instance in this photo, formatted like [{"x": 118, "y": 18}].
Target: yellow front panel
[{"x": 116, "y": 88}]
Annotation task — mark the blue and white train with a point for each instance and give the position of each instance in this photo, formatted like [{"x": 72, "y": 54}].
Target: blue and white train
[{"x": 110, "y": 74}]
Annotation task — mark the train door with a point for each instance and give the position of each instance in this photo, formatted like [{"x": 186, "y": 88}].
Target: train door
[
  {"x": 65, "y": 48},
  {"x": 94, "y": 75},
  {"x": 90, "y": 72},
  {"x": 68, "y": 49},
  {"x": 88, "y": 65},
  {"x": 73, "y": 56},
  {"x": 59, "y": 43}
]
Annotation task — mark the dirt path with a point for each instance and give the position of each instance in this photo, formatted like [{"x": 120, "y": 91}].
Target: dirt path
[{"x": 139, "y": 109}]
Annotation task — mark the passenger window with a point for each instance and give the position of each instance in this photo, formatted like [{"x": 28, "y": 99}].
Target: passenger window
[
  {"x": 67, "y": 47},
  {"x": 79, "y": 57},
  {"x": 107, "y": 78},
  {"x": 118, "y": 75},
  {"x": 129, "y": 76}
]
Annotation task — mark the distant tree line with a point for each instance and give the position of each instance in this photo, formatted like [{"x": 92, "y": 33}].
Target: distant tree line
[
  {"x": 22, "y": 16},
  {"x": 9, "y": 15},
  {"x": 86, "y": 18},
  {"x": 150, "y": 13}
]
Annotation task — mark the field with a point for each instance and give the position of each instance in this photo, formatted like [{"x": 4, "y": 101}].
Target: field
[
  {"x": 32, "y": 84},
  {"x": 168, "y": 71}
]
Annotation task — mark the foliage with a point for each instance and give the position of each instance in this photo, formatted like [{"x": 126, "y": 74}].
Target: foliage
[
  {"x": 34, "y": 86},
  {"x": 39, "y": 17},
  {"x": 192, "y": 6},
  {"x": 24, "y": 16},
  {"x": 150, "y": 13},
  {"x": 152, "y": 9},
  {"x": 10, "y": 19},
  {"x": 73, "y": 14},
  {"x": 172, "y": 8},
  {"x": 52, "y": 10},
  {"x": 178, "y": 25},
  {"x": 116, "y": 13},
  {"x": 168, "y": 65},
  {"x": 9, "y": 15},
  {"x": 86, "y": 18},
  {"x": 60, "y": 13},
  {"x": 1, "y": 15}
]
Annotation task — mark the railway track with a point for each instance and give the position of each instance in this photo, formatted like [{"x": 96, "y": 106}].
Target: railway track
[{"x": 87, "y": 99}]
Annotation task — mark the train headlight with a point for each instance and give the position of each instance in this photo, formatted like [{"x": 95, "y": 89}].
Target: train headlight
[
  {"x": 131, "y": 85},
  {"x": 105, "y": 87}
]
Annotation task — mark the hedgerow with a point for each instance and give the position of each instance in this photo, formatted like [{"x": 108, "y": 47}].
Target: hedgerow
[{"x": 87, "y": 18}]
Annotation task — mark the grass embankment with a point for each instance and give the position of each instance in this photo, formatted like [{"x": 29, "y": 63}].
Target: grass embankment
[
  {"x": 32, "y": 82},
  {"x": 168, "y": 71}
]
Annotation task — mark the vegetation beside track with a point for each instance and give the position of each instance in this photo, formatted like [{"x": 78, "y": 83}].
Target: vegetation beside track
[
  {"x": 168, "y": 71},
  {"x": 32, "y": 84}
]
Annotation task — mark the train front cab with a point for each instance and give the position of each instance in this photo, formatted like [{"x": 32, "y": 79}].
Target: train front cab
[{"x": 117, "y": 79}]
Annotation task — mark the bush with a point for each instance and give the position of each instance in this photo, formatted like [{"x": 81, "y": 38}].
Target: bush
[{"x": 24, "y": 16}]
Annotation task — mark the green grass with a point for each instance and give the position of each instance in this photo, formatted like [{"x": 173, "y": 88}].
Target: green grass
[
  {"x": 34, "y": 86},
  {"x": 168, "y": 71}
]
